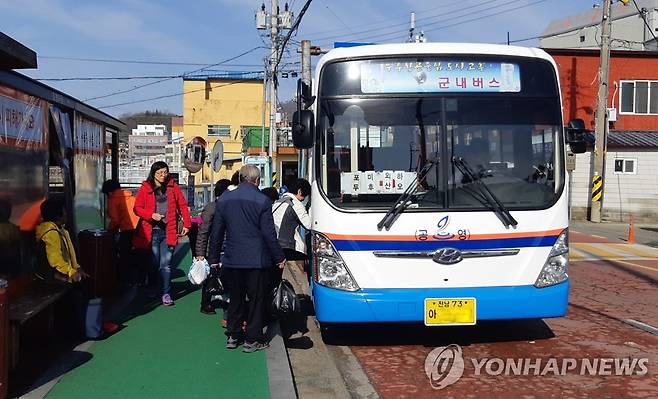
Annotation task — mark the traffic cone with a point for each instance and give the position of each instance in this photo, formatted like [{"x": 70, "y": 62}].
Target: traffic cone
[{"x": 631, "y": 232}]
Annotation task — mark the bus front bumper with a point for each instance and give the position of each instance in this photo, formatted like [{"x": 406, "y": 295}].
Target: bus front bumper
[{"x": 407, "y": 304}]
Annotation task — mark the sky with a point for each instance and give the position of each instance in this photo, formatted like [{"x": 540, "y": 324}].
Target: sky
[{"x": 174, "y": 37}]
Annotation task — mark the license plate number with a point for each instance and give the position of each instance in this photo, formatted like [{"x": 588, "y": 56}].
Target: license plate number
[{"x": 449, "y": 311}]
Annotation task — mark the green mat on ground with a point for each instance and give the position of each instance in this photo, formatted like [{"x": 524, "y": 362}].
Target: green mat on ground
[{"x": 167, "y": 352}]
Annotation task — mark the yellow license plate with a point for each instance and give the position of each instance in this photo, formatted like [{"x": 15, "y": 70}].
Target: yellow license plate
[{"x": 449, "y": 311}]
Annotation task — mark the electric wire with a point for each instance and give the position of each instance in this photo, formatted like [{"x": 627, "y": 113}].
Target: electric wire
[
  {"x": 644, "y": 18},
  {"x": 165, "y": 96},
  {"x": 389, "y": 36},
  {"x": 431, "y": 17},
  {"x": 121, "y": 61},
  {"x": 166, "y": 79}
]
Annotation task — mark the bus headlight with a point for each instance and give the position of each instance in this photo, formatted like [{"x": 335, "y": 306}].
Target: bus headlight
[
  {"x": 556, "y": 268},
  {"x": 329, "y": 268}
]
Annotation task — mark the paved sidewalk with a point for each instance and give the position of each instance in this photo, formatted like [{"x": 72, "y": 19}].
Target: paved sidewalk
[
  {"x": 644, "y": 234},
  {"x": 175, "y": 352}
]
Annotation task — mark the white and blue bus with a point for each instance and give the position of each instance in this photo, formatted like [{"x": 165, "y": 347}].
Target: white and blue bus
[{"x": 438, "y": 184}]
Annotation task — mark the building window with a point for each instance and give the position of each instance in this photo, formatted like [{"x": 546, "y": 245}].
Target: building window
[
  {"x": 219, "y": 130},
  {"x": 582, "y": 39},
  {"x": 639, "y": 97},
  {"x": 625, "y": 166}
]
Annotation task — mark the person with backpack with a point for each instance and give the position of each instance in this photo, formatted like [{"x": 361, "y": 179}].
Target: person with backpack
[{"x": 159, "y": 204}]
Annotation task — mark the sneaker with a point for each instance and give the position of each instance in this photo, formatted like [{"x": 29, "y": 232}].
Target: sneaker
[
  {"x": 166, "y": 300},
  {"x": 250, "y": 347},
  {"x": 233, "y": 343},
  {"x": 110, "y": 328},
  {"x": 207, "y": 310}
]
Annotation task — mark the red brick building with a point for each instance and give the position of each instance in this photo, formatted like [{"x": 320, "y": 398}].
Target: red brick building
[
  {"x": 631, "y": 177},
  {"x": 578, "y": 79}
]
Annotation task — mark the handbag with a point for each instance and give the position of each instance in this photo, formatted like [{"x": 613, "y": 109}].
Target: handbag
[
  {"x": 214, "y": 287},
  {"x": 284, "y": 299}
]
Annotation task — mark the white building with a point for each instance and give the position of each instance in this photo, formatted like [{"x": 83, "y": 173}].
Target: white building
[
  {"x": 583, "y": 31},
  {"x": 631, "y": 182},
  {"x": 150, "y": 130},
  {"x": 147, "y": 144}
]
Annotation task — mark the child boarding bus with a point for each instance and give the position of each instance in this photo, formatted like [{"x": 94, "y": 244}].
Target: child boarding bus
[{"x": 439, "y": 191}]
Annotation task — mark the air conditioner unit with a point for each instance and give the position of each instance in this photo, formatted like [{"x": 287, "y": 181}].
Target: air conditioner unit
[{"x": 612, "y": 114}]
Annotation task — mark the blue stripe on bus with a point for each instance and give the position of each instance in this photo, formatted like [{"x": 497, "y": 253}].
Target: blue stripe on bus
[{"x": 371, "y": 245}]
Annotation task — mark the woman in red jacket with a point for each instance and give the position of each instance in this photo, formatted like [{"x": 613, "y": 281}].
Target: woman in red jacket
[{"x": 159, "y": 204}]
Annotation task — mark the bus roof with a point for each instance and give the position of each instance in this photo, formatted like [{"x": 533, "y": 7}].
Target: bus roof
[{"x": 432, "y": 48}]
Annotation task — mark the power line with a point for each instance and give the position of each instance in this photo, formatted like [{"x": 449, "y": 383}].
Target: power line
[
  {"x": 166, "y": 79},
  {"x": 405, "y": 24},
  {"x": 289, "y": 62},
  {"x": 119, "y": 61},
  {"x": 486, "y": 16},
  {"x": 464, "y": 21},
  {"x": 294, "y": 28},
  {"x": 106, "y": 78},
  {"x": 166, "y": 96},
  {"x": 645, "y": 21},
  {"x": 314, "y": 35},
  {"x": 338, "y": 18}
]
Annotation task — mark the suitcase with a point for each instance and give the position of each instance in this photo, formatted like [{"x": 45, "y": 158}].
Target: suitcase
[{"x": 96, "y": 257}]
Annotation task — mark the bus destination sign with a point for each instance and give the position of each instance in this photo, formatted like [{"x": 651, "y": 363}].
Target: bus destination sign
[{"x": 433, "y": 76}]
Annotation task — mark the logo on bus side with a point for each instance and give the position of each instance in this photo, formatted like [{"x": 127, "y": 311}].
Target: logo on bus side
[{"x": 442, "y": 233}]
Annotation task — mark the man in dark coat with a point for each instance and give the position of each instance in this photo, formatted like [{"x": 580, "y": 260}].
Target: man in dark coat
[{"x": 243, "y": 224}]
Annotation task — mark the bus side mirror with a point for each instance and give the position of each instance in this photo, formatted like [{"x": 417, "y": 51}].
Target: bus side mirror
[
  {"x": 578, "y": 147},
  {"x": 303, "y": 129},
  {"x": 576, "y": 136}
]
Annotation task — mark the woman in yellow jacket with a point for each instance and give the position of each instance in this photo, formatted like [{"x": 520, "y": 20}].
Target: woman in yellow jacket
[{"x": 61, "y": 262}]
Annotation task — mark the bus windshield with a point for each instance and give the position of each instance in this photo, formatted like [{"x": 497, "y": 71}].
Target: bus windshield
[{"x": 377, "y": 134}]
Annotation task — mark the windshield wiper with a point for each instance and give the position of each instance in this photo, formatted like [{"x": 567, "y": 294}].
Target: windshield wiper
[
  {"x": 404, "y": 200},
  {"x": 499, "y": 209}
]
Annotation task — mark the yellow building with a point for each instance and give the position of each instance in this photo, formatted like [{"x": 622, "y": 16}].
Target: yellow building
[{"x": 222, "y": 106}]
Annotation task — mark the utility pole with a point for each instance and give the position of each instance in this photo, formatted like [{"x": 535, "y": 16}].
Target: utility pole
[
  {"x": 306, "y": 78},
  {"x": 274, "y": 56},
  {"x": 601, "y": 123},
  {"x": 262, "y": 132}
]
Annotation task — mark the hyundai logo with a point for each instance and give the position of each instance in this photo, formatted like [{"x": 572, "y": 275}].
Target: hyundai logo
[{"x": 447, "y": 256}]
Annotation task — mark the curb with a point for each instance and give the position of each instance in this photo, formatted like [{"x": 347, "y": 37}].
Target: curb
[{"x": 279, "y": 371}]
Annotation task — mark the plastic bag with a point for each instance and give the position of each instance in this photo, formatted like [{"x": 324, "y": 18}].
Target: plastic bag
[
  {"x": 284, "y": 299},
  {"x": 214, "y": 287},
  {"x": 199, "y": 271},
  {"x": 94, "y": 318}
]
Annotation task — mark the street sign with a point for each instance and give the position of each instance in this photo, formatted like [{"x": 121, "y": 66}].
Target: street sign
[
  {"x": 195, "y": 154},
  {"x": 217, "y": 156}
]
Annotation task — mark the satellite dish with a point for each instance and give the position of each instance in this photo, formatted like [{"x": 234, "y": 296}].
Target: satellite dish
[
  {"x": 217, "y": 156},
  {"x": 195, "y": 154}
]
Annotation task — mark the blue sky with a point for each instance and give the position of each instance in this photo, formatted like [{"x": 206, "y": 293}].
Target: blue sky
[{"x": 210, "y": 31}]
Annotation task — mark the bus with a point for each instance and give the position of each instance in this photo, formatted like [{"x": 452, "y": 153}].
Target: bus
[{"x": 439, "y": 190}]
